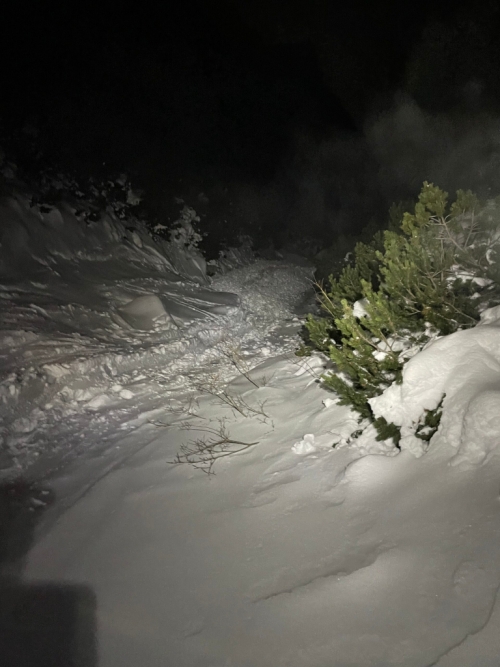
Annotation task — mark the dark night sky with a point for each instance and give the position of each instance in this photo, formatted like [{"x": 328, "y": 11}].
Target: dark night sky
[
  {"x": 223, "y": 92},
  {"x": 201, "y": 75}
]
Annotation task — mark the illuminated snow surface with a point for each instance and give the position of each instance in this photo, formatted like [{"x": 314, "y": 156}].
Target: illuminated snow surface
[{"x": 294, "y": 553}]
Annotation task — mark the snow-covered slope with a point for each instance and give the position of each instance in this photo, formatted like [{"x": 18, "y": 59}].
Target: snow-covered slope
[
  {"x": 297, "y": 552},
  {"x": 98, "y": 322}
]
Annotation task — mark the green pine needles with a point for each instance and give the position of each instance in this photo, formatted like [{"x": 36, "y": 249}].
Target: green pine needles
[{"x": 429, "y": 277}]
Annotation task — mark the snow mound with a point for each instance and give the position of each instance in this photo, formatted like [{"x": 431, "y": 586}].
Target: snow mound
[
  {"x": 464, "y": 368},
  {"x": 144, "y": 311},
  {"x": 305, "y": 446}
]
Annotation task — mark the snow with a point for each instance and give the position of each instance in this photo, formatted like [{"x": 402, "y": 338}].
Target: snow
[
  {"x": 143, "y": 311},
  {"x": 309, "y": 546},
  {"x": 305, "y": 446},
  {"x": 359, "y": 308},
  {"x": 87, "y": 307},
  {"x": 464, "y": 368}
]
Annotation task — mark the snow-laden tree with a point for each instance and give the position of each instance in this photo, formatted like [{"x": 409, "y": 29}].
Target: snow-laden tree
[{"x": 431, "y": 276}]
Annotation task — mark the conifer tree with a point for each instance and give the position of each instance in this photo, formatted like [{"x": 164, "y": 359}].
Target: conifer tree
[{"x": 428, "y": 278}]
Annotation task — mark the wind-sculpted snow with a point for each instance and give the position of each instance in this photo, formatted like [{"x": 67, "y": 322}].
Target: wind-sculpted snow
[
  {"x": 35, "y": 240},
  {"x": 97, "y": 315}
]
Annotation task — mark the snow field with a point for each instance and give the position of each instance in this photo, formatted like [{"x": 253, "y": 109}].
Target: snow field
[
  {"x": 99, "y": 323},
  {"x": 115, "y": 355},
  {"x": 325, "y": 556}
]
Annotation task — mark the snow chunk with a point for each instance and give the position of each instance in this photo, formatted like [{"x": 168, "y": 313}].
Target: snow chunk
[
  {"x": 82, "y": 395},
  {"x": 99, "y": 401},
  {"x": 56, "y": 371},
  {"x": 305, "y": 446},
  {"x": 328, "y": 402},
  {"x": 126, "y": 394},
  {"x": 136, "y": 239},
  {"x": 24, "y": 425},
  {"x": 359, "y": 308}
]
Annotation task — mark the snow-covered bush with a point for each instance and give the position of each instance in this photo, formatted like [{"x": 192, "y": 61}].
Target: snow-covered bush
[
  {"x": 431, "y": 277},
  {"x": 233, "y": 257},
  {"x": 183, "y": 232},
  {"x": 107, "y": 211},
  {"x": 183, "y": 243}
]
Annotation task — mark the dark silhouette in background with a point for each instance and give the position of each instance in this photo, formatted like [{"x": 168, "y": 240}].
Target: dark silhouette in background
[{"x": 283, "y": 107}]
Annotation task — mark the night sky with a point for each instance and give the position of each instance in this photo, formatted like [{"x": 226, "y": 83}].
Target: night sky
[{"x": 290, "y": 111}]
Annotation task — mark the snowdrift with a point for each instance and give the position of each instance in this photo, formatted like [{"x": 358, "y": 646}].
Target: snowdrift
[
  {"x": 99, "y": 318},
  {"x": 464, "y": 368}
]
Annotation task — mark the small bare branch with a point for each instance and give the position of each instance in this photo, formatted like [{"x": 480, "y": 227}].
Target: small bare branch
[
  {"x": 232, "y": 352},
  {"x": 203, "y": 452}
]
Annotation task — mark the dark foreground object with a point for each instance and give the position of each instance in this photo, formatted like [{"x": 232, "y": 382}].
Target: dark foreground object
[{"x": 47, "y": 625}]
